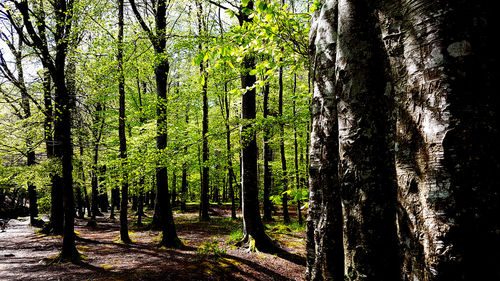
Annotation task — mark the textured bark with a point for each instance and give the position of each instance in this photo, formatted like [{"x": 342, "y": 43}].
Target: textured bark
[
  {"x": 445, "y": 68},
  {"x": 366, "y": 130},
  {"x": 325, "y": 258}
]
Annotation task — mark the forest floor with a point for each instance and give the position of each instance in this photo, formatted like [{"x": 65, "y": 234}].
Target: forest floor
[{"x": 208, "y": 253}]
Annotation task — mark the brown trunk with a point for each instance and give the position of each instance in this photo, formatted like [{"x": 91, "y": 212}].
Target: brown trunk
[
  {"x": 252, "y": 223},
  {"x": 121, "y": 129},
  {"x": 296, "y": 155},
  {"x": 286, "y": 216},
  {"x": 267, "y": 154},
  {"x": 204, "y": 200}
]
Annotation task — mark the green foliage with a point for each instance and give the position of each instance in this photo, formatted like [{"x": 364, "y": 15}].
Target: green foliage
[
  {"x": 234, "y": 237},
  {"x": 211, "y": 249},
  {"x": 278, "y": 39}
]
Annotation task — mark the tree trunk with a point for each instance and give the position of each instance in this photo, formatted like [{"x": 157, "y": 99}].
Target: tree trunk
[
  {"x": 174, "y": 192},
  {"x": 324, "y": 244},
  {"x": 268, "y": 156},
  {"x": 445, "y": 71},
  {"x": 121, "y": 129},
  {"x": 366, "y": 131},
  {"x": 230, "y": 172},
  {"x": 296, "y": 155},
  {"x": 253, "y": 228},
  {"x": 184, "y": 184},
  {"x": 284, "y": 199},
  {"x": 204, "y": 201}
]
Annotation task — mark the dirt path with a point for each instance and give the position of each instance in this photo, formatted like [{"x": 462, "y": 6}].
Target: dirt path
[{"x": 23, "y": 254}]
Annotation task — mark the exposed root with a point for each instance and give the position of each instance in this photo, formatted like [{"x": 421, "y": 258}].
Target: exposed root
[{"x": 75, "y": 257}]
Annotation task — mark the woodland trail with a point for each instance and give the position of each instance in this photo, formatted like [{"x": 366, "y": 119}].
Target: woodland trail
[{"x": 24, "y": 254}]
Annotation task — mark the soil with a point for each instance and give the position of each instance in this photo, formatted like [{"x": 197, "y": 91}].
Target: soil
[{"x": 26, "y": 255}]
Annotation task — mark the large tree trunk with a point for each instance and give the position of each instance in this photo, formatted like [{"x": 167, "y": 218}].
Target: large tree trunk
[
  {"x": 158, "y": 39},
  {"x": 169, "y": 237},
  {"x": 366, "y": 132},
  {"x": 445, "y": 71},
  {"x": 63, "y": 149},
  {"x": 324, "y": 244}
]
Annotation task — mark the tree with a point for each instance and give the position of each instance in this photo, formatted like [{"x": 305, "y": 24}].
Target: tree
[
  {"x": 325, "y": 258},
  {"x": 412, "y": 95},
  {"x": 121, "y": 128},
  {"x": 267, "y": 154},
  {"x": 204, "y": 201},
  {"x": 253, "y": 227},
  {"x": 19, "y": 82},
  {"x": 62, "y": 122},
  {"x": 446, "y": 137},
  {"x": 158, "y": 40}
]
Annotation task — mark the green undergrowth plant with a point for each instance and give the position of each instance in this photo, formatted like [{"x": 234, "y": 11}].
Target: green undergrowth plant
[
  {"x": 234, "y": 237},
  {"x": 211, "y": 249}
]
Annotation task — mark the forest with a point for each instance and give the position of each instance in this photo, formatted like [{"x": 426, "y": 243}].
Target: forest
[{"x": 249, "y": 140}]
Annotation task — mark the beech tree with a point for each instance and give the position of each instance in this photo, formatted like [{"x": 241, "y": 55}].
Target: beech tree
[
  {"x": 408, "y": 94},
  {"x": 158, "y": 39},
  {"x": 56, "y": 65}
]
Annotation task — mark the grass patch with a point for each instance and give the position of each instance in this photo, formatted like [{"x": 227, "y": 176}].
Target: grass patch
[
  {"x": 211, "y": 249},
  {"x": 234, "y": 237}
]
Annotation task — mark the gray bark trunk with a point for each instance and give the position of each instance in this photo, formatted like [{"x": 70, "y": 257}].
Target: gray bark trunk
[{"x": 325, "y": 258}]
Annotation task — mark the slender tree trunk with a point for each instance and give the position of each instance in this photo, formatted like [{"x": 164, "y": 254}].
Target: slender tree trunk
[
  {"x": 174, "y": 192},
  {"x": 121, "y": 130},
  {"x": 204, "y": 201},
  {"x": 253, "y": 228},
  {"x": 56, "y": 207},
  {"x": 95, "y": 161},
  {"x": 267, "y": 153},
  {"x": 286, "y": 216},
  {"x": 25, "y": 105},
  {"x": 296, "y": 156},
  {"x": 184, "y": 184},
  {"x": 230, "y": 172}
]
